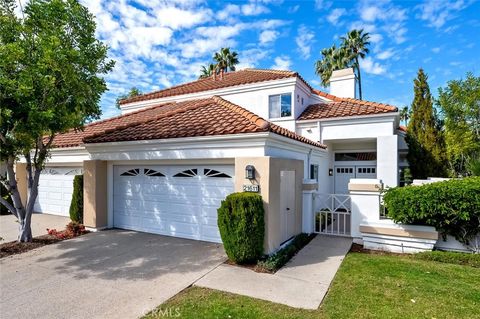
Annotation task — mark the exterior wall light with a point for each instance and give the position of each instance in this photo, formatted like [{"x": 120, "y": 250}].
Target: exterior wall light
[
  {"x": 250, "y": 172},
  {"x": 330, "y": 172}
]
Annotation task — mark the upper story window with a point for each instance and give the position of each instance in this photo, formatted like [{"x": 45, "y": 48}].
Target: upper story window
[{"x": 280, "y": 105}]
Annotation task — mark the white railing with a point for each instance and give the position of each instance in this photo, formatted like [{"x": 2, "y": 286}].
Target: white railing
[{"x": 332, "y": 214}]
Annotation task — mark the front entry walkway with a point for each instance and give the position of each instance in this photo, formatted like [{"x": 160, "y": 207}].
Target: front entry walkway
[{"x": 302, "y": 283}]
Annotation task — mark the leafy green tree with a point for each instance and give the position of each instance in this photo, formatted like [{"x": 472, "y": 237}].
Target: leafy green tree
[
  {"x": 459, "y": 103},
  {"x": 354, "y": 47},
  {"x": 134, "y": 91},
  {"x": 424, "y": 138},
  {"x": 51, "y": 68}
]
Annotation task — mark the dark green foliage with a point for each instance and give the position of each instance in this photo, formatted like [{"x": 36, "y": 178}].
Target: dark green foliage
[
  {"x": 276, "y": 261},
  {"x": 242, "y": 227},
  {"x": 76, "y": 206},
  {"x": 449, "y": 257},
  {"x": 5, "y": 195},
  {"x": 452, "y": 207},
  {"x": 426, "y": 146}
]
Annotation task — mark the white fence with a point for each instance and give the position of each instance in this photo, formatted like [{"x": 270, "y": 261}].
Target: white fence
[{"x": 332, "y": 214}]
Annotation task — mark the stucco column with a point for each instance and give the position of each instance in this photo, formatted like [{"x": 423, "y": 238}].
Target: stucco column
[
  {"x": 95, "y": 194},
  {"x": 365, "y": 201},
  {"x": 309, "y": 188},
  {"x": 387, "y": 160},
  {"x": 21, "y": 177}
]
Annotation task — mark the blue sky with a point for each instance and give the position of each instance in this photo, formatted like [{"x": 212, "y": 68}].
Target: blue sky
[{"x": 161, "y": 43}]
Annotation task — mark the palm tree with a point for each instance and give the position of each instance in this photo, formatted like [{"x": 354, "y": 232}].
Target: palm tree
[
  {"x": 405, "y": 115},
  {"x": 333, "y": 58},
  {"x": 226, "y": 60},
  {"x": 356, "y": 45},
  {"x": 207, "y": 71}
]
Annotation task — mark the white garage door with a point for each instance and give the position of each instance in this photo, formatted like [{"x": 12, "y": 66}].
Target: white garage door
[
  {"x": 178, "y": 201},
  {"x": 55, "y": 190}
]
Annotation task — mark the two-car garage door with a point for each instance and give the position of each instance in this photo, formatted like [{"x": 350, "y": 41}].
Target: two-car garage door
[{"x": 179, "y": 201}]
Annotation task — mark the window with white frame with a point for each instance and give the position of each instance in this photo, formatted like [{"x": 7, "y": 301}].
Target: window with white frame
[
  {"x": 314, "y": 172},
  {"x": 280, "y": 105}
]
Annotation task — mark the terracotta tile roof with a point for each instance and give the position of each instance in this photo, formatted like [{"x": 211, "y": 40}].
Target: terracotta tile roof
[
  {"x": 340, "y": 107},
  {"x": 75, "y": 138},
  {"x": 203, "y": 117},
  {"x": 241, "y": 77}
]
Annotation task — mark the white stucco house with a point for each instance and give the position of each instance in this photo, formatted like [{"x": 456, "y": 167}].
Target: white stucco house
[{"x": 167, "y": 161}]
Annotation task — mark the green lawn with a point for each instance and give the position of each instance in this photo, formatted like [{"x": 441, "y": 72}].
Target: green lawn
[{"x": 366, "y": 286}]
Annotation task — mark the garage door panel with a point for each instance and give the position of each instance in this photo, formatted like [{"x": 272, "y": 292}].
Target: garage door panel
[
  {"x": 55, "y": 190},
  {"x": 176, "y": 206}
]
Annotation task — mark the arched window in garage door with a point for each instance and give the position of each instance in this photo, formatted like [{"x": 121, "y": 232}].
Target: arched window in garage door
[
  {"x": 187, "y": 173},
  {"x": 131, "y": 172},
  {"x": 152, "y": 172},
  {"x": 214, "y": 173}
]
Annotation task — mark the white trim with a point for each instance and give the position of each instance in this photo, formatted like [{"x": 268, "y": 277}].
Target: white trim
[
  {"x": 352, "y": 118},
  {"x": 128, "y": 107}
]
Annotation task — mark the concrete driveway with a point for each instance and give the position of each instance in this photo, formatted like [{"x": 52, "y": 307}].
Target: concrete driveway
[
  {"x": 109, "y": 274},
  {"x": 40, "y": 223}
]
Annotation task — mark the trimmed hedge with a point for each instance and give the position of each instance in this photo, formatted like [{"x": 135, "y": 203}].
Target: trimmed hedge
[
  {"x": 242, "y": 226},
  {"x": 76, "y": 206},
  {"x": 452, "y": 207}
]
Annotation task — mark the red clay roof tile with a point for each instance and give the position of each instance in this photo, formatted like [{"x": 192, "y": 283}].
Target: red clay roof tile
[{"x": 203, "y": 117}]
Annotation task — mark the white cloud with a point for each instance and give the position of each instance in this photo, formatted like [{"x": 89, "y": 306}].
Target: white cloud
[
  {"x": 254, "y": 8},
  {"x": 384, "y": 55},
  {"x": 437, "y": 13},
  {"x": 375, "y": 37},
  {"x": 252, "y": 57},
  {"x": 323, "y": 4},
  {"x": 268, "y": 36},
  {"x": 304, "y": 40},
  {"x": 282, "y": 62},
  {"x": 436, "y": 50},
  {"x": 335, "y": 15},
  {"x": 293, "y": 9},
  {"x": 176, "y": 18},
  {"x": 369, "y": 66},
  {"x": 228, "y": 12}
]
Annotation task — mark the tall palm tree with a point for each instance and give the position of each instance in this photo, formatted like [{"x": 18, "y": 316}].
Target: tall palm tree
[
  {"x": 356, "y": 45},
  {"x": 226, "y": 60},
  {"x": 405, "y": 115},
  {"x": 207, "y": 71}
]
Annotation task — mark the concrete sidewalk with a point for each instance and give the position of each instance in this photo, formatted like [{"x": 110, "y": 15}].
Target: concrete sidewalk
[
  {"x": 40, "y": 222},
  {"x": 302, "y": 283}
]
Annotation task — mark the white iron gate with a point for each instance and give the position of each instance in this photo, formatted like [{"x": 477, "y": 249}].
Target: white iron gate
[{"x": 332, "y": 214}]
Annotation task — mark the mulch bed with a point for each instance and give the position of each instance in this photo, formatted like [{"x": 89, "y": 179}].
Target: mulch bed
[
  {"x": 14, "y": 247},
  {"x": 357, "y": 248}
]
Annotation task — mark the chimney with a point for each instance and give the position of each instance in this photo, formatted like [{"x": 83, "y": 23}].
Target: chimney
[{"x": 343, "y": 83}]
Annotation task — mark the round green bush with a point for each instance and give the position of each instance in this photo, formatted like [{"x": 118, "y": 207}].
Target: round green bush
[
  {"x": 452, "y": 207},
  {"x": 76, "y": 206},
  {"x": 242, "y": 226}
]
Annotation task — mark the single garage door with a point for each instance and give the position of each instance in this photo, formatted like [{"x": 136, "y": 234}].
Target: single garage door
[
  {"x": 178, "y": 201},
  {"x": 55, "y": 190}
]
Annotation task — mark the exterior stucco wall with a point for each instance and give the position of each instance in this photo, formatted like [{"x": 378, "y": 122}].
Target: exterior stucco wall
[
  {"x": 95, "y": 194},
  {"x": 267, "y": 176}
]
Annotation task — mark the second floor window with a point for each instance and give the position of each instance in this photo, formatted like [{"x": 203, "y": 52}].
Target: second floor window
[{"x": 280, "y": 105}]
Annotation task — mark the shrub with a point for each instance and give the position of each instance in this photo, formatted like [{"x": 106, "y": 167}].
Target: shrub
[
  {"x": 242, "y": 227},
  {"x": 276, "y": 261},
  {"x": 465, "y": 259},
  {"x": 6, "y": 196},
  {"x": 76, "y": 206},
  {"x": 452, "y": 207}
]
